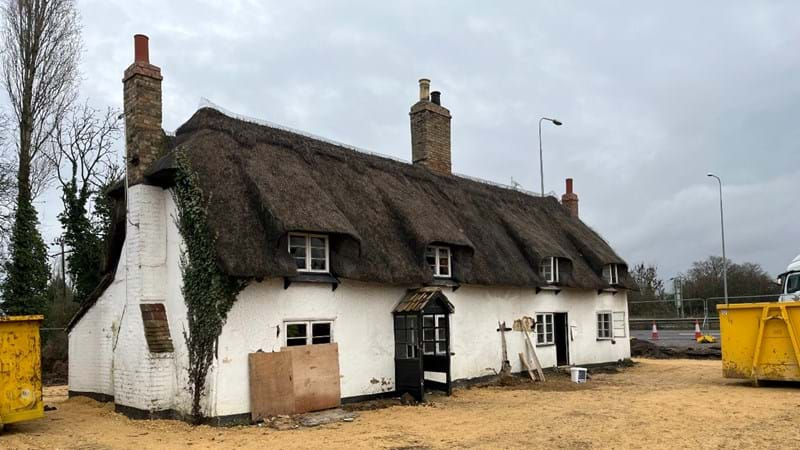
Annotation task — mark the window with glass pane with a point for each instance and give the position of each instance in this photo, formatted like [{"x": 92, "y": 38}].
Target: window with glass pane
[
  {"x": 793, "y": 283},
  {"x": 544, "y": 329},
  {"x": 405, "y": 337},
  {"x": 438, "y": 258},
  {"x": 612, "y": 273},
  {"x": 547, "y": 269},
  {"x": 434, "y": 334},
  {"x": 309, "y": 251},
  {"x": 430, "y": 258},
  {"x": 296, "y": 334},
  {"x": 444, "y": 262},
  {"x": 309, "y": 333},
  {"x": 297, "y": 248},
  {"x": 604, "y": 325},
  {"x": 321, "y": 333}
]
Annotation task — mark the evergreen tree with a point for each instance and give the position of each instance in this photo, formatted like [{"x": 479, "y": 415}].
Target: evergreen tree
[{"x": 27, "y": 272}]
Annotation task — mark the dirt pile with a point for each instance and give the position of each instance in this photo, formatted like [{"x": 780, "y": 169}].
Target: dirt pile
[{"x": 647, "y": 349}]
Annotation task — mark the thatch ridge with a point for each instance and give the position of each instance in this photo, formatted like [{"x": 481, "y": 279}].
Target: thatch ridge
[{"x": 381, "y": 213}]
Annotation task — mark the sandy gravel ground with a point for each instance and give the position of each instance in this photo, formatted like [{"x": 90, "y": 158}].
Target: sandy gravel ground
[{"x": 657, "y": 404}]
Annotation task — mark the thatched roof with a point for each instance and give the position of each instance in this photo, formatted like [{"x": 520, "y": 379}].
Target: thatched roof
[{"x": 263, "y": 182}]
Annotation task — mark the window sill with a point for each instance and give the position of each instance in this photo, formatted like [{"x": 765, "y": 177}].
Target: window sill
[
  {"x": 546, "y": 345},
  {"x": 610, "y": 290},
  {"x": 605, "y": 339},
  {"x": 311, "y": 277},
  {"x": 444, "y": 282},
  {"x": 551, "y": 287}
]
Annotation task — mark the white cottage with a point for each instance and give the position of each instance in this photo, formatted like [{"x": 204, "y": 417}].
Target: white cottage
[{"x": 406, "y": 266}]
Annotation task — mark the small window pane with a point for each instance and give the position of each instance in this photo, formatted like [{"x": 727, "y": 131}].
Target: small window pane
[
  {"x": 317, "y": 264},
  {"x": 444, "y": 267},
  {"x": 321, "y": 329},
  {"x": 441, "y": 348},
  {"x": 400, "y": 351},
  {"x": 301, "y": 263},
  {"x": 427, "y": 334},
  {"x": 411, "y": 336},
  {"x": 430, "y": 258},
  {"x": 297, "y": 241},
  {"x": 411, "y": 322},
  {"x": 428, "y": 348},
  {"x": 400, "y": 322},
  {"x": 295, "y": 342},
  {"x": 318, "y": 252},
  {"x": 441, "y": 334},
  {"x": 321, "y": 340},
  {"x": 427, "y": 321},
  {"x": 400, "y": 336},
  {"x": 296, "y": 330},
  {"x": 318, "y": 242}
]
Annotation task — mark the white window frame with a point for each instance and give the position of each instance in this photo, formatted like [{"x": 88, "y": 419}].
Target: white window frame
[
  {"x": 542, "y": 320},
  {"x": 552, "y": 263},
  {"x": 618, "y": 324},
  {"x": 613, "y": 274},
  {"x": 308, "y": 237},
  {"x": 610, "y": 329},
  {"x": 437, "y": 253},
  {"x": 309, "y": 330},
  {"x": 438, "y": 338}
]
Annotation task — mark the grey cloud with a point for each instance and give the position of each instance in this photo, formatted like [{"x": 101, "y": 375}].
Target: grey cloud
[{"x": 652, "y": 96}]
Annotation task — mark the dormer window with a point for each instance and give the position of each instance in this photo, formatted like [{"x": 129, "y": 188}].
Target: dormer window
[
  {"x": 612, "y": 274},
  {"x": 549, "y": 269},
  {"x": 310, "y": 252},
  {"x": 439, "y": 260}
]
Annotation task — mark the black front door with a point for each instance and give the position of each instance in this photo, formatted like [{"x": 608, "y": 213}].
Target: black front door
[
  {"x": 408, "y": 372},
  {"x": 436, "y": 349},
  {"x": 561, "y": 337}
]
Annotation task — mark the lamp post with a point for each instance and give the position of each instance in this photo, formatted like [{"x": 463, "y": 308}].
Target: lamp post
[
  {"x": 722, "y": 228},
  {"x": 541, "y": 163}
]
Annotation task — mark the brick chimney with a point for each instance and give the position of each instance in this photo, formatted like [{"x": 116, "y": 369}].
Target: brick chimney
[
  {"x": 570, "y": 200},
  {"x": 430, "y": 131},
  {"x": 144, "y": 137}
]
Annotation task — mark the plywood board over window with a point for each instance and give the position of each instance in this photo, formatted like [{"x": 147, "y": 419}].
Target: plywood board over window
[{"x": 294, "y": 380}]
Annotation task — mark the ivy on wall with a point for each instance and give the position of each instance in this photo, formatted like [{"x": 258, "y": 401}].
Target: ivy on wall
[{"x": 208, "y": 293}]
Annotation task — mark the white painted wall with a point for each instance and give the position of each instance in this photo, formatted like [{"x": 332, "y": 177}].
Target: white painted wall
[
  {"x": 363, "y": 328},
  {"x": 91, "y": 340}
]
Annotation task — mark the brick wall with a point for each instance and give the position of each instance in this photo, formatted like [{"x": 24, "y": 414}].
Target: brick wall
[
  {"x": 430, "y": 136},
  {"x": 144, "y": 138}
]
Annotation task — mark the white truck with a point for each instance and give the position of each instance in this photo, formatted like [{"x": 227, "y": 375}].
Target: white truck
[{"x": 790, "y": 282}]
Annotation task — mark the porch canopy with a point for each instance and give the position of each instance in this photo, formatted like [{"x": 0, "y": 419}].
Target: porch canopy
[{"x": 416, "y": 300}]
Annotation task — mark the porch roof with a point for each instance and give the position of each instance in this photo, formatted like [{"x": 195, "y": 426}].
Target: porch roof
[{"x": 416, "y": 300}]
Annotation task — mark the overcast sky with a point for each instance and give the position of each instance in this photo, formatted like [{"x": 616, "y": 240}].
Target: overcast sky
[{"x": 652, "y": 96}]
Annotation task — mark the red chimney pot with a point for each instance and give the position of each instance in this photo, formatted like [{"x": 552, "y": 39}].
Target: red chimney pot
[
  {"x": 141, "y": 51},
  {"x": 569, "y": 185}
]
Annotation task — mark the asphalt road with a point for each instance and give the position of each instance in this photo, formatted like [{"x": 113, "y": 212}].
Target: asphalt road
[{"x": 669, "y": 338}]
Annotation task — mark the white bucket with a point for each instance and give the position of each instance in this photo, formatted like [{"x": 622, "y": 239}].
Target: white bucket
[{"x": 578, "y": 374}]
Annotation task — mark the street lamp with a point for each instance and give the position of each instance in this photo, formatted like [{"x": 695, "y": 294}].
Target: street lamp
[
  {"x": 722, "y": 228},
  {"x": 541, "y": 163}
]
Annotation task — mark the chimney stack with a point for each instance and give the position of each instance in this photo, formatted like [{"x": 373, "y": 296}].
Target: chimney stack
[
  {"x": 144, "y": 138},
  {"x": 570, "y": 200},
  {"x": 430, "y": 131}
]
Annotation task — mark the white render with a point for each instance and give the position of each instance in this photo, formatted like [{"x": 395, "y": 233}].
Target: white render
[{"x": 109, "y": 355}]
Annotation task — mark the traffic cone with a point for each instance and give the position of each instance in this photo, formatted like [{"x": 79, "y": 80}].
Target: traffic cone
[
  {"x": 654, "y": 335},
  {"x": 697, "y": 333}
]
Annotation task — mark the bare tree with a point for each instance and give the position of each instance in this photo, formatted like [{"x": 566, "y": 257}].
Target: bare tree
[
  {"x": 82, "y": 150},
  {"x": 42, "y": 46},
  {"x": 41, "y": 51}
]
